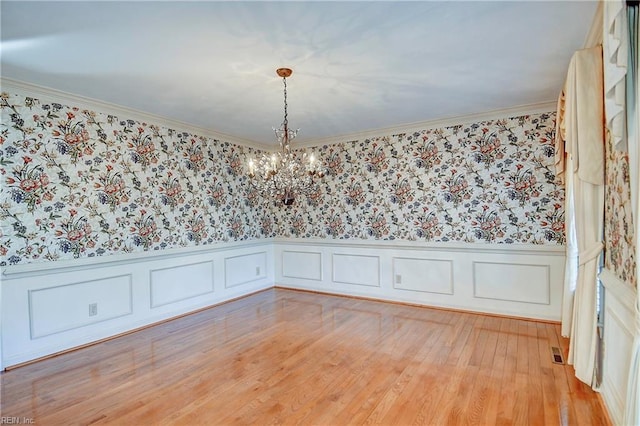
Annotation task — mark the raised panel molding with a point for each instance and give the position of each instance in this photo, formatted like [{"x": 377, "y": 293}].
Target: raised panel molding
[
  {"x": 512, "y": 282},
  {"x": 244, "y": 268},
  {"x": 423, "y": 275},
  {"x": 517, "y": 280},
  {"x": 168, "y": 285},
  {"x": 619, "y": 317},
  {"x": 305, "y": 265},
  {"x": 616, "y": 361},
  {"x": 45, "y": 307},
  {"x": 356, "y": 269},
  {"x": 65, "y": 307}
]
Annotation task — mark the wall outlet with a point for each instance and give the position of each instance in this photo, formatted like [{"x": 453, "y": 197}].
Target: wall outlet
[
  {"x": 93, "y": 309},
  {"x": 398, "y": 279},
  {"x": 257, "y": 270}
]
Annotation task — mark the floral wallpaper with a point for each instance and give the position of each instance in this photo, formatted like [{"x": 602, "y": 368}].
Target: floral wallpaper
[
  {"x": 487, "y": 182},
  {"x": 618, "y": 222},
  {"x": 77, "y": 183}
]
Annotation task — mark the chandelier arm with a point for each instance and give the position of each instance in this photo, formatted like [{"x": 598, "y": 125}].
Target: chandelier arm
[{"x": 274, "y": 183}]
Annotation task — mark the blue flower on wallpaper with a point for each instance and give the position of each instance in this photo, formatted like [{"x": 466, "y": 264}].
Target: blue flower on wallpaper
[{"x": 78, "y": 183}]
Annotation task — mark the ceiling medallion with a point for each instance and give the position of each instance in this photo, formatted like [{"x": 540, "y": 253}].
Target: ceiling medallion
[{"x": 284, "y": 175}]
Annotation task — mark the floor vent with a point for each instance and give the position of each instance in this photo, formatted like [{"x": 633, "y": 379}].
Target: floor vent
[{"x": 557, "y": 355}]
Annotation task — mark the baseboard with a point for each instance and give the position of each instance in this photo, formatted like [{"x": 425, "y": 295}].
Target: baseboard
[{"x": 417, "y": 305}]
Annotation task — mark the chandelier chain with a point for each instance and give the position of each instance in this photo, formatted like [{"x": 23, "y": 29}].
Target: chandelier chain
[{"x": 286, "y": 119}]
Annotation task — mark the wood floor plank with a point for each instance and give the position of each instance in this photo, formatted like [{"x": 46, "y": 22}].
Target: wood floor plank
[
  {"x": 449, "y": 409},
  {"x": 292, "y": 357},
  {"x": 507, "y": 394},
  {"x": 534, "y": 378},
  {"x": 497, "y": 372},
  {"x": 481, "y": 394},
  {"x": 386, "y": 410},
  {"x": 423, "y": 388}
]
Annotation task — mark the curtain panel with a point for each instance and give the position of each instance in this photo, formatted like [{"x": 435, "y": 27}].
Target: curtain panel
[
  {"x": 581, "y": 139},
  {"x": 615, "y": 46}
]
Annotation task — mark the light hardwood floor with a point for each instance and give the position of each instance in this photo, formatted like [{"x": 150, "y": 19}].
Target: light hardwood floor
[{"x": 283, "y": 356}]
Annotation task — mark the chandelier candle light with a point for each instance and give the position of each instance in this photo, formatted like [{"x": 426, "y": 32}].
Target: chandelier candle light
[{"x": 282, "y": 175}]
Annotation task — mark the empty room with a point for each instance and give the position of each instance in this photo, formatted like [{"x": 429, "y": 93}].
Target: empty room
[{"x": 319, "y": 212}]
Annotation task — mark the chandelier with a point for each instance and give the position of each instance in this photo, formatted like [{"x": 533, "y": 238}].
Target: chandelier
[{"x": 283, "y": 175}]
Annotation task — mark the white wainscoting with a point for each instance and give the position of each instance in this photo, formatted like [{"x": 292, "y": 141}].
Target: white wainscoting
[
  {"x": 302, "y": 265},
  {"x": 356, "y": 269},
  {"x": 245, "y": 268},
  {"x": 70, "y": 307},
  {"x": 516, "y": 280},
  {"x": 512, "y": 282},
  {"x": 618, "y": 340},
  {"x": 423, "y": 274},
  {"x": 45, "y": 306},
  {"x": 195, "y": 280}
]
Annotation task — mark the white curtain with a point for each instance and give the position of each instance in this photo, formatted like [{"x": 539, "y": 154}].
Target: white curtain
[
  {"x": 564, "y": 162},
  {"x": 571, "y": 263},
  {"x": 614, "y": 40},
  {"x": 632, "y": 406},
  {"x": 589, "y": 222},
  {"x": 581, "y": 138}
]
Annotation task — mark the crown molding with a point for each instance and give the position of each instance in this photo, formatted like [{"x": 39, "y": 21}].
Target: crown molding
[
  {"x": 40, "y": 92},
  {"x": 49, "y": 94},
  {"x": 517, "y": 111}
]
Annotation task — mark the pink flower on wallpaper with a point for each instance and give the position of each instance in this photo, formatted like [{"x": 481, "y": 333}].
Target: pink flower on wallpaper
[
  {"x": 427, "y": 154},
  {"x": 619, "y": 238},
  {"x": 107, "y": 184}
]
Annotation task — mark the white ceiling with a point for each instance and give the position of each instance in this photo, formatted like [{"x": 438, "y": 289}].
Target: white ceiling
[{"x": 358, "y": 66}]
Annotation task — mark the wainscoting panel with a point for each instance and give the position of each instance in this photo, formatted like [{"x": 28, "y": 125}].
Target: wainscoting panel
[
  {"x": 618, "y": 339},
  {"x": 245, "y": 268},
  {"x": 430, "y": 274},
  {"x": 302, "y": 265},
  {"x": 424, "y": 275},
  {"x": 517, "y": 280},
  {"x": 46, "y": 308},
  {"x": 356, "y": 269},
  {"x": 168, "y": 285},
  {"x": 65, "y": 307},
  {"x": 511, "y": 282}
]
